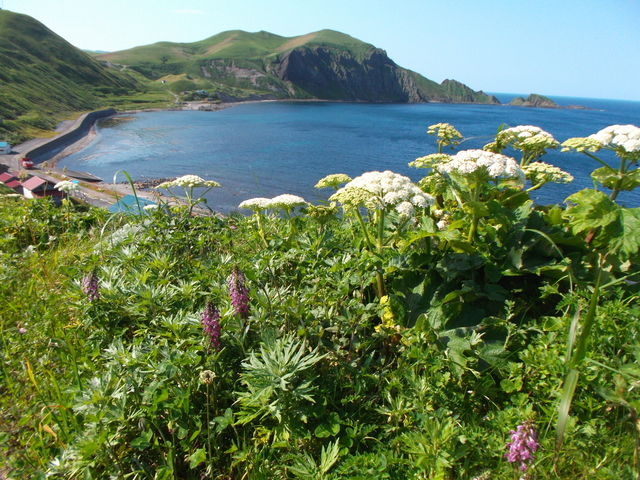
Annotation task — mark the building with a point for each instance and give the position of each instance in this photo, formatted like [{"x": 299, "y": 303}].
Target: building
[
  {"x": 37, "y": 187},
  {"x": 5, "y": 148},
  {"x": 10, "y": 179}
]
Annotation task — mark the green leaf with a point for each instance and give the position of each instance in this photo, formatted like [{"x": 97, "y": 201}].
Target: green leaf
[
  {"x": 330, "y": 428},
  {"x": 477, "y": 209},
  {"x": 627, "y": 243},
  {"x": 592, "y": 209},
  {"x": 143, "y": 441},
  {"x": 197, "y": 457},
  {"x": 510, "y": 386},
  {"x": 610, "y": 177}
]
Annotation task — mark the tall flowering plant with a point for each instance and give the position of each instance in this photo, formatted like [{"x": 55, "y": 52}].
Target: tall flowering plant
[
  {"x": 624, "y": 140},
  {"x": 188, "y": 183},
  {"x": 472, "y": 177},
  {"x": 210, "y": 318},
  {"x": 239, "y": 293},
  {"x": 382, "y": 193},
  {"x": 532, "y": 142},
  {"x": 523, "y": 445}
]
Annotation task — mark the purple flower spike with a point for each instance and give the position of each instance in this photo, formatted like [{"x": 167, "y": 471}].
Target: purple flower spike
[
  {"x": 239, "y": 293},
  {"x": 524, "y": 443},
  {"x": 211, "y": 325},
  {"x": 90, "y": 286}
]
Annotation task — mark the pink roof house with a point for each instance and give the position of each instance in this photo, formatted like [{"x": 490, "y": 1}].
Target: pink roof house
[
  {"x": 11, "y": 181},
  {"x": 37, "y": 187}
]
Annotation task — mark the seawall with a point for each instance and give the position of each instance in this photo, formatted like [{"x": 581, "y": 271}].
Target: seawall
[{"x": 55, "y": 145}]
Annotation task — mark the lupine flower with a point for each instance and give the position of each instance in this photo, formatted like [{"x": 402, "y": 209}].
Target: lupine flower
[
  {"x": 66, "y": 186},
  {"x": 90, "y": 286},
  {"x": 239, "y": 293},
  {"x": 524, "y": 443},
  {"x": 211, "y": 325}
]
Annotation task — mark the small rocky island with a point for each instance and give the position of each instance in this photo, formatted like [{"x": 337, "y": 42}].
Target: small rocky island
[{"x": 540, "y": 101}]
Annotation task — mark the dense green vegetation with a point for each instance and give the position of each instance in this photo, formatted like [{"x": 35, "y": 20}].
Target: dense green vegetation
[{"x": 390, "y": 333}]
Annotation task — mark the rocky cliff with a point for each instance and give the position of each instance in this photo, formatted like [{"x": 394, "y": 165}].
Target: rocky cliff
[{"x": 335, "y": 74}]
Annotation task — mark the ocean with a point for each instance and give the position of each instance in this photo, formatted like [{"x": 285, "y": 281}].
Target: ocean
[{"x": 269, "y": 148}]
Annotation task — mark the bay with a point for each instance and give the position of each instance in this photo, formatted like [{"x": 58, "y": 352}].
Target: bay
[{"x": 269, "y": 148}]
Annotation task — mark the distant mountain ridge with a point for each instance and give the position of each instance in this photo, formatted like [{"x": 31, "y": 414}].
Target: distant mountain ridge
[
  {"x": 44, "y": 79},
  {"x": 326, "y": 65}
]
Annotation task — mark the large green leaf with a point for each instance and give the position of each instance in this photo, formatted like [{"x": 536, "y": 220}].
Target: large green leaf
[
  {"x": 627, "y": 242},
  {"x": 591, "y": 209},
  {"x": 610, "y": 177}
]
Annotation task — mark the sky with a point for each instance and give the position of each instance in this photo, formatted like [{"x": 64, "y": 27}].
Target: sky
[{"x": 575, "y": 48}]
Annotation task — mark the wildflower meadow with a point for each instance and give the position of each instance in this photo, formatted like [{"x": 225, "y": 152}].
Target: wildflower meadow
[{"x": 444, "y": 329}]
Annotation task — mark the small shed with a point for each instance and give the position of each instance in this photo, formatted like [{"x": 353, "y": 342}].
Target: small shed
[
  {"x": 11, "y": 181},
  {"x": 5, "y": 148},
  {"x": 37, "y": 187},
  {"x": 128, "y": 204}
]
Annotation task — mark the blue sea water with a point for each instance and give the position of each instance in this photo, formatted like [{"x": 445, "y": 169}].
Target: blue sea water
[{"x": 266, "y": 149}]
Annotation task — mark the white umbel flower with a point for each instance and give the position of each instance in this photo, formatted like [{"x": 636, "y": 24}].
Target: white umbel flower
[
  {"x": 286, "y": 201},
  {"x": 379, "y": 190},
  {"x": 495, "y": 165},
  {"x": 256, "y": 204},
  {"x": 66, "y": 186},
  {"x": 624, "y": 136},
  {"x": 189, "y": 181}
]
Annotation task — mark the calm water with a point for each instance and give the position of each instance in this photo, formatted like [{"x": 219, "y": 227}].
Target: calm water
[{"x": 266, "y": 149}]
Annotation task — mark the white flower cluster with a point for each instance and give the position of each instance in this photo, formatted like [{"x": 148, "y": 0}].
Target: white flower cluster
[
  {"x": 496, "y": 165},
  {"x": 285, "y": 201},
  {"x": 333, "y": 180},
  {"x": 66, "y": 186},
  {"x": 528, "y": 137},
  {"x": 430, "y": 161},
  {"x": 624, "y": 136},
  {"x": 581, "y": 144},
  {"x": 189, "y": 181},
  {"x": 256, "y": 204},
  {"x": 446, "y": 133},
  {"x": 540, "y": 172},
  {"x": 379, "y": 190}
]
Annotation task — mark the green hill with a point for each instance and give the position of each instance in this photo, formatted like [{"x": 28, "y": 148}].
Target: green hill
[
  {"x": 42, "y": 76},
  {"x": 326, "y": 65},
  {"x": 44, "y": 79}
]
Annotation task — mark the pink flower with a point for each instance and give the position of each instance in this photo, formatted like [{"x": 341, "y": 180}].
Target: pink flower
[{"x": 524, "y": 443}]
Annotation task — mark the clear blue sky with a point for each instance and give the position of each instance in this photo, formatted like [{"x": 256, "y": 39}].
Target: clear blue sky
[{"x": 578, "y": 48}]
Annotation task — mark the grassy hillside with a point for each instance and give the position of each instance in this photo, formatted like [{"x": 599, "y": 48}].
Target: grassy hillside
[
  {"x": 43, "y": 78},
  {"x": 250, "y": 61}
]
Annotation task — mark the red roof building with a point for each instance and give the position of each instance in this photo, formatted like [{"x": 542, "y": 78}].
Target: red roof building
[
  {"x": 37, "y": 187},
  {"x": 11, "y": 181}
]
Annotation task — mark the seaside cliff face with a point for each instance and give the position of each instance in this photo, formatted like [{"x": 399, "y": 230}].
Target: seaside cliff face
[{"x": 338, "y": 75}]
